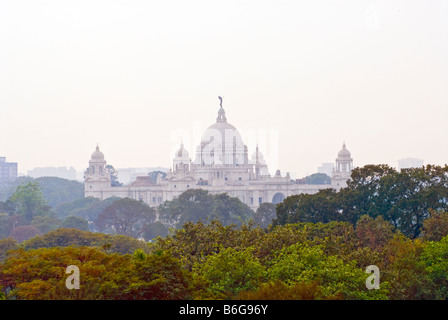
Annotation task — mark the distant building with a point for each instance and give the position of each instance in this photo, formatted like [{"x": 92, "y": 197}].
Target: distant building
[
  {"x": 326, "y": 168},
  {"x": 8, "y": 171},
  {"x": 60, "y": 172},
  {"x": 343, "y": 170},
  {"x": 221, "y": 165},
  {"x": 128, "y": 175},
  {"x": 410, "y": 163}
]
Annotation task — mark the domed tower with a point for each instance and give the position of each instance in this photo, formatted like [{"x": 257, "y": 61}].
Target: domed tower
[
  {"x": 222, "y": 157},
  {"x": 181, "y": 161},
  {"x": 221, "y": 145},
  {"x": 260, "y": 166},
  {"x": 97, "y": 177},
  {"x": 344, "y": 166}
]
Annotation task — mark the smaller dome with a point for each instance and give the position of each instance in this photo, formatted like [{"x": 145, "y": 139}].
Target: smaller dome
[
  {"x": 344, "y": 153},
  {"x": 260, "y": 157},
  {"x": 182, "y": 153},
  {"x": 97, "y": 155}
]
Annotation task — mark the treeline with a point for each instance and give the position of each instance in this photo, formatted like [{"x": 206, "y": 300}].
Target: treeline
[
  {"x": 404, "y": 198},
  {"x": 27, "y": 213},
  {"x": 207, "y": 246},
  {"x": 213, "y": 261}
]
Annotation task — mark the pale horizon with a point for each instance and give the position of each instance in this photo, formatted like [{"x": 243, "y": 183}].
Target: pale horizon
[{"x": 137, "y": 76}]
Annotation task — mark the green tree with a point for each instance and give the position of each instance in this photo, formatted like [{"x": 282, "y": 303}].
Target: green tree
[
  {"x": 5, "y": 246},
  {"x": 153, "y": 175},
  {"x": 318, "y": 178},
  {"x": 436, "y": 226},
  {"x": 86, "y": 208},
  {"x": 302, "y": 263},
  {"x": 196, "y": 205},
  {"x": 29, "y": 201},
  {"x": 46, "y": 223},
  {"x": 126, "y": 217},
  {"x": 5, "y": 226},
  {"x": 320, "y": 207},
  {"x": 154, "y": 230},
  {"x": 230, "y": 210},
  {"x": 76, "y": 207},
  {"x": 264, "y": 214},
  {"x": 113, "y": 176},
  {"x": 402, "y": 198},
  {"x": 192, "y": 205},
  {"x": 57, "y": 190},
  {"x": 225, "y": 274},
  {"x": 434, "y": 259},
  {"x": 156, "y": 276},
  {"x": 76, "y": 223}
]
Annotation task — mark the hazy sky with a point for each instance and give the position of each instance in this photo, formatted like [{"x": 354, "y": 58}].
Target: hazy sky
[{"x": 302, "y": 75}]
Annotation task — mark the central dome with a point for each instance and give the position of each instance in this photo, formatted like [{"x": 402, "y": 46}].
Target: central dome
[{"x": 221, "y": 144}]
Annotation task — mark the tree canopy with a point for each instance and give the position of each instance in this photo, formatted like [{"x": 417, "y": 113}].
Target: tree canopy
[
  {"x": 199, "y": 205},
  {"x": 126, "y": 217},
  {"x": 403, "y": 198}
]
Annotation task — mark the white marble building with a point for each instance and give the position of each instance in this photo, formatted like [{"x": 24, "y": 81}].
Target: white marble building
[{"x": 221, "y": 165}]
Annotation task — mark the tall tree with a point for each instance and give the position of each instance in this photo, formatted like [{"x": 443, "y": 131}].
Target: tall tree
[
  {"x": 318, "y": 178},
  {"x": 75, "y": 223},
  {"x": 153, "y": 175},
  {"x": 230, "y": 210},
  {"x": 264, "y": 214},
  {"x": 402, "y": 198},
  {"x": 29, "y": 201},
  {"x": 126, "y": 217},
  {"x": 196, "y": 205},
  {"x": 113, "y": 176},
  {"x": 192, "y": 205}
]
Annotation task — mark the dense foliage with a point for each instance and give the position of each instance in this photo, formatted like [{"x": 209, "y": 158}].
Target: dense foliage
[
  {"x": 404, "y": 198},
  {"x": 199, "y": 205},
  {"x": 215, "y": 261},
  {"x": 208, "y": 246},
  {"x": 54, "y": 190}
]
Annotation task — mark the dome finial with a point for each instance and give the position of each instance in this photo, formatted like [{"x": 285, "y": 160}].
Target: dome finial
[
  {"x": 257, "y": 160},
  {"x": 221, "y": 112}
]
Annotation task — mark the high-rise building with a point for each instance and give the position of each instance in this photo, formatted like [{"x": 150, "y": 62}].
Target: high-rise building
[
  {"x": 410, "y": 163},
  {"x": 327, "y": 168},
  {"x": 8, "y": 171}
]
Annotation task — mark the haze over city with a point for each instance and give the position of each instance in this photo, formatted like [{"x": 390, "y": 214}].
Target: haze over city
[{"x": 137, "y": 76}]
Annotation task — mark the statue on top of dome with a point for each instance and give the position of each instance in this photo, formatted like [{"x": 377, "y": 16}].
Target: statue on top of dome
[{"x": 220, "y": 99}]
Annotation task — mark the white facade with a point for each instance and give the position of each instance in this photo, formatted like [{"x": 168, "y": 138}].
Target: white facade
[{"x": 221, "y": 165}]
